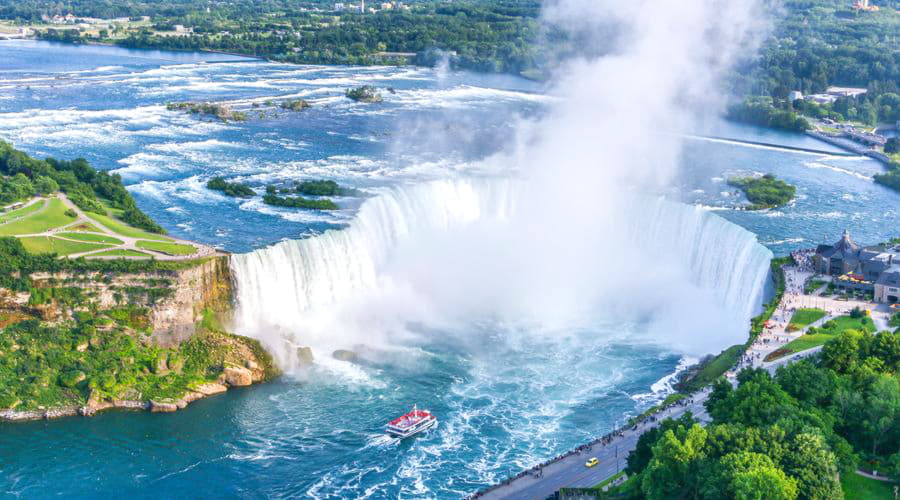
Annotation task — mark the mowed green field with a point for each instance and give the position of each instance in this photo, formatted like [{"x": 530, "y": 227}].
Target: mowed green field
[
  {"x": 19, "y": 212},
  {"x": 123, "y": 229},
  {"x": 51, "y": 217},
  {"x": 857, "y": 487},
  {"x": 803, "y": 317},
  {"x": 91, "y": 238},
  {"x": 46, "y": 244},
  {"x": 167, "y": 248},
  {"x": 120, "y": 253},
  {"x": 829, "y": 330}
]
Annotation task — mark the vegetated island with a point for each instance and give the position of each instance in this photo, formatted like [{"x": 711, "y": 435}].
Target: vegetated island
[
  {"x": 271, "y": 198},
  {"x": 233, "y": 189},
  {"x": 308, "y": 188},
  {"x": 122, "y": 330},
  {"x": 318, "y": 188},
  {"x": 764, "y": 192},
  {"x": 366, "y": 93},
  {"x": 324, "y": 188}
]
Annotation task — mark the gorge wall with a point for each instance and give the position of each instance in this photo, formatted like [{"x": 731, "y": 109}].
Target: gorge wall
[{"x": 175, "y": 300}]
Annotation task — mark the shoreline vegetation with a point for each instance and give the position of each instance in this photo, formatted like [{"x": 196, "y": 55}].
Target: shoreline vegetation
[
  {"x": 764, "y": 192},
  {"x": 709, "y": 369},
  {"x": 82, "y": 335}
]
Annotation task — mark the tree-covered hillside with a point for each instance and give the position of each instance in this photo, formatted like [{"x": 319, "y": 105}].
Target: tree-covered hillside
[{"x": 22, "y": 176}]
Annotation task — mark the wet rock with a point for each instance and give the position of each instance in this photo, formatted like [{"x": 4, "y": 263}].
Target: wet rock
[
  {"x": 344, "y": 355},
  {"x": 164, "y": 406},
  {"x": 210, "y": 389},
  {"x": 305, "y": 356},
  {"x": 236, "y": 376}
]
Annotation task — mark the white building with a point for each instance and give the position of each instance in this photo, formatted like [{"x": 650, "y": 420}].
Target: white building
[
  {"x": 794, "y": 95},
  {"x": 845, "y": 91},
  {"x": 338, "y": 7}
]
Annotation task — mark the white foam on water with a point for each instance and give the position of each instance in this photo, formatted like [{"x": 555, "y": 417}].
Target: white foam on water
[{"x": 818, "y": 165}]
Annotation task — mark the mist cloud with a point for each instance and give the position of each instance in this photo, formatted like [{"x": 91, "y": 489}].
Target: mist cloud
[{"x": 579, "y": 235}]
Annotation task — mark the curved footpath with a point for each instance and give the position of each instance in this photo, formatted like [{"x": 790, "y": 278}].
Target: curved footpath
[
  {"x": 128, "y": 242},
  {"x": 569, "y": 470}
]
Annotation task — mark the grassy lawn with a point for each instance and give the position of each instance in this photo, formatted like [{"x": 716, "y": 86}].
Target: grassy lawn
[
  {"x": 91, "y": 238},
  {"x": 808, "y": 341},
  {"x": 804, "y": 317},
  {"x": 167, "y": 248},
  {"x": 119, "y": 227},
  {"x": 842, "y": 323},
  {"x": 857, "y": 487},
  {"x": 818, "y": 336},
  {"x": 718, "y": 366},
  {"x": 84, "y": 226},
  {"x": 52, "y": 217},
  {"x": 46, "y": 244},
  {"x": 34, "y": 207},
  {"x": 812, "y": 285},
  {"x": 121, "y": 253}
]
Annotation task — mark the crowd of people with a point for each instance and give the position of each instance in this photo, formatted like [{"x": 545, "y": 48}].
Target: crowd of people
[{"x": 803, "y": 259}]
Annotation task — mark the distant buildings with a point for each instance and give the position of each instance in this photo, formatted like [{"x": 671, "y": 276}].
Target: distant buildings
[
  {"x": 874, "y": 269},
  {"x": 832, "y": 94},
  {"x": 864, "y": 5},
  {"x": 794, "y": 95}
]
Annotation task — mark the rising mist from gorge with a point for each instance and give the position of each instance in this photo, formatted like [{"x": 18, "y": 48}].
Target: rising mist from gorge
[{"x": 574, "y": 231}]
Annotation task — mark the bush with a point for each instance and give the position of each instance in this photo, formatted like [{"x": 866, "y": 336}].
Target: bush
[
  {"x": 298, "y": 202},
  {"x": 366, "y": 93},
  {"x": 234, "y": 189}
]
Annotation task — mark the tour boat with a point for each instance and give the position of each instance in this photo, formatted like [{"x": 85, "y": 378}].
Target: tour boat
[{"x": 412, "y": 423}]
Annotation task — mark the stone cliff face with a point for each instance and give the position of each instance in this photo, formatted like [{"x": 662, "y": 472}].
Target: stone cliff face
[
  {"x": 204, "y": 287},
  {"x": 176, "y": 300},
  {"x": 182, "y": 311}
]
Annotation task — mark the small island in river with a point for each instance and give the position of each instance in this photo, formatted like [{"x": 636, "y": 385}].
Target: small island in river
[{"x": 764, "y": 192}]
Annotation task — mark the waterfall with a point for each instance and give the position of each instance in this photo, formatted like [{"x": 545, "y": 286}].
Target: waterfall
[{"x": 281, "y": 287}]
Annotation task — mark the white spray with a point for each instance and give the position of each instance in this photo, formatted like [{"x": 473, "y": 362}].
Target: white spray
[{"x": 578, "y": 236}]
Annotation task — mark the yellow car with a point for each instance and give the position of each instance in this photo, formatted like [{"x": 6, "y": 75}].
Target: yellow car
[{"x": 592, "y": 462}]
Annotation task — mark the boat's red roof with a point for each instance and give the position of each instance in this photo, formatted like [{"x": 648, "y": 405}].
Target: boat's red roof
[{"x": 410, "y": 418}]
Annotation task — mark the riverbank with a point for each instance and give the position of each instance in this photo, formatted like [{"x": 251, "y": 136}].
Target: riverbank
[{"x": 232, "y": 377}]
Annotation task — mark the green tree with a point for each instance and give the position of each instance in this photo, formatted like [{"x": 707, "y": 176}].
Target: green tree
[
  {"x": 45, "y": 185},
  {"x": 892, "y": 145},
  {"x": 809, "y": 460},
  {"x": 764, "y": 483},
  {"x": 673, "y": 470},
  {"x": 841, "y": 354},
  {"x": 882, "y": 418}
]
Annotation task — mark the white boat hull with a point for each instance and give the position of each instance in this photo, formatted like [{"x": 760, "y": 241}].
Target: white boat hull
[{"x": 412, "y": 431}]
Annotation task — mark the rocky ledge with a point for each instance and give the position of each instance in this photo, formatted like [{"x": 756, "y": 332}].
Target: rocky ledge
[{"x": 232, "y": 376}]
